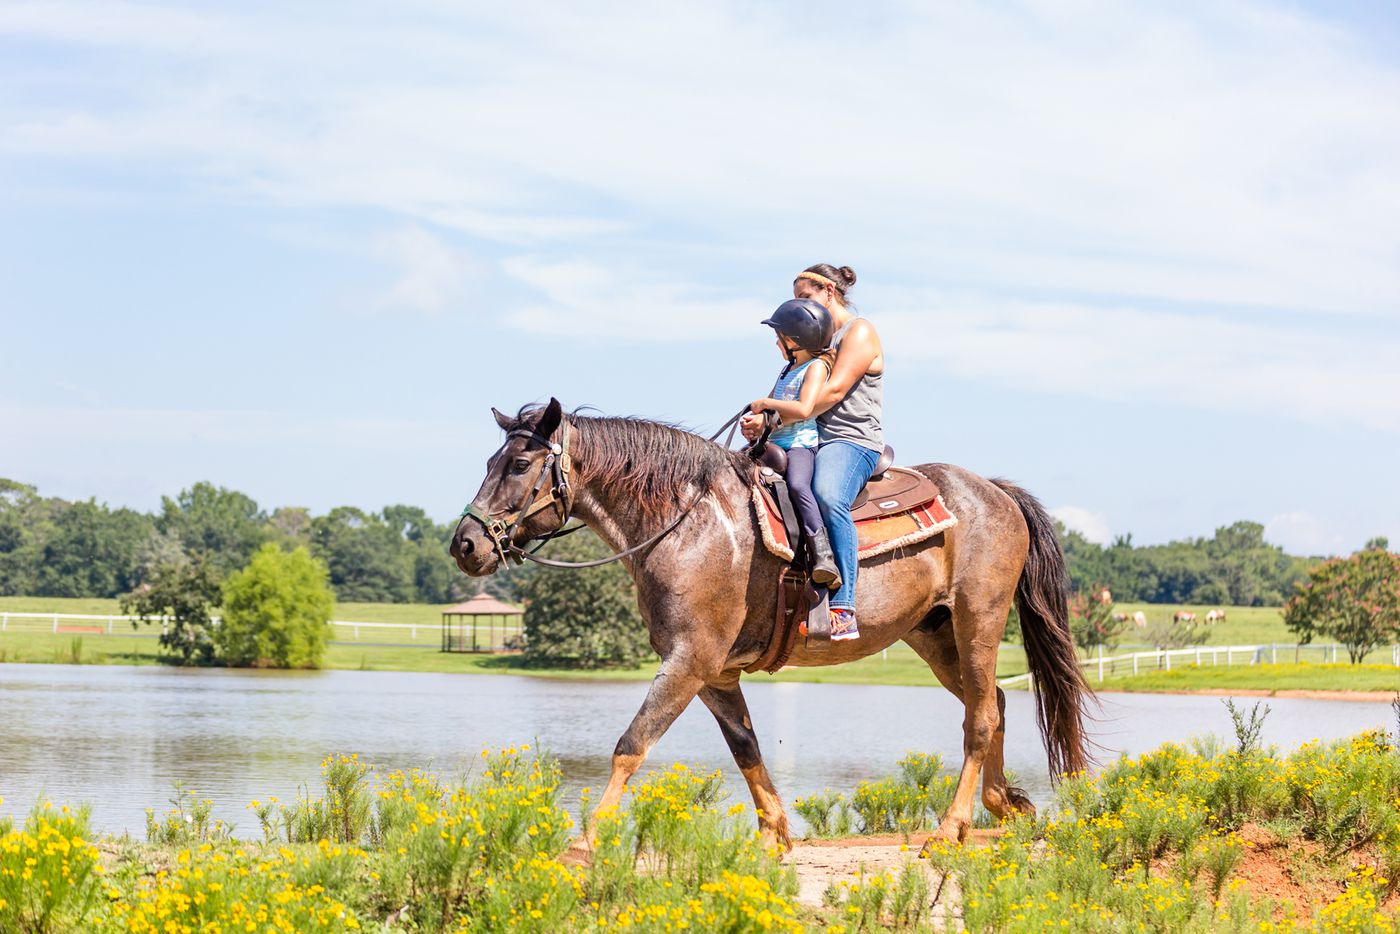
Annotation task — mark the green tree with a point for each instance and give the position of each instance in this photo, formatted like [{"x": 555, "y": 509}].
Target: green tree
[
  {"x": 1354, "y": 600},
  {"x": 223, "y": 525},
  {"x": 180, "y": 595},
  {"x": 582, "y": 618},
  {"x": 367, "y": 557},
  {"x": 91, "y": 551},
  {"x": 436, "y": 578},
  {"x": 22, "y": 521},
  {"x": 276, "y": 611}
]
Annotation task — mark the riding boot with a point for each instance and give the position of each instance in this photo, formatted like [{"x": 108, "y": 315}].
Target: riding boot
[{"x": 824, "y": 573}]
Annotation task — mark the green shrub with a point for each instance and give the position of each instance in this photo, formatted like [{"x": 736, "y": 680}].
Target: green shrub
[
  {"x": 49, "y": 872},
  {"x": 582, "y": 617},
  {"x": 187, "y": 823},
  {"x": 275, "y": 611}
]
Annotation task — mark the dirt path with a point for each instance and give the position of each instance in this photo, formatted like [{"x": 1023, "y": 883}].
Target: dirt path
[{"x": 820, "y": 862}]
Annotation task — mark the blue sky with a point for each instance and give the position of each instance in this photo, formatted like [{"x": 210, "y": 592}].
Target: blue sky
[{"x": 1143, "y": 259}]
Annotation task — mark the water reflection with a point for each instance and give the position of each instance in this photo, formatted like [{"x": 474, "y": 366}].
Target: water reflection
[{"x": 120, "y": 737}]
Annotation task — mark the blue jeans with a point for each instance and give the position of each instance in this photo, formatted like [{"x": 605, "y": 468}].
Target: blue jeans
[{"x": 843, "y": 468}]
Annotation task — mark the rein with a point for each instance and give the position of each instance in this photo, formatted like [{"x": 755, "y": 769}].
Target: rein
[{"x": 501, "y": 529}]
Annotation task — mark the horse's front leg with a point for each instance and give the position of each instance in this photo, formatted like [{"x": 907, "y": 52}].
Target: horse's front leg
[
  {"x": 672, "y": 690},
  {"x": 726, "y": 702}
]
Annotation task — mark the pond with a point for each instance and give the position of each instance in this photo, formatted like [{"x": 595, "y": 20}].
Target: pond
[{"x": 119, "y": 738}]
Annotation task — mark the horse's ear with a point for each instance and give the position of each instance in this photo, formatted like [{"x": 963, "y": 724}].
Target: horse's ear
[
  {"x": 549, "y": 421},
  {"x": 505, "y": 421}
]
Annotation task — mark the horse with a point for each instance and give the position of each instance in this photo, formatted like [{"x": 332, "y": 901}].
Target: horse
[{"x": 676, "y": 508}]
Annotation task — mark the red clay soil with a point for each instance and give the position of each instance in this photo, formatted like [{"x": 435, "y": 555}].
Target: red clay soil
[{"x": 1270, "y": 868}]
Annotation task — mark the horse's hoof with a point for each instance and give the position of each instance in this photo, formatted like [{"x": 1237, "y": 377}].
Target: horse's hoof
[
  {"x": 579, "y": 853},
  {"x": 1020, "y": 804},
  {"x": 777, "y": 840},
  {"x": 947, "y": 833}
]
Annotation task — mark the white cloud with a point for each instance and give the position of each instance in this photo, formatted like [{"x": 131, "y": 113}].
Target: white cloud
[
  {"x": 1235, "y": 153},
  {"x": 582, "y": 299},
  {"x": 1210, "y": 361},
  {"x": 432, "y": 272},
  {"x": 1092, "y": 525},
  {"x": 1302, "y": 533}
]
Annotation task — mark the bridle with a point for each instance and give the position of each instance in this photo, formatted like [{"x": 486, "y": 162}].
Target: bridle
[{"x": 558, "y": 465}]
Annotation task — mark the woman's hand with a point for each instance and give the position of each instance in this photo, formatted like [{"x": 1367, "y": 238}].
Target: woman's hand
[
  {"x": 758, "y": 405},
  {"x": 751, "y": 426}
]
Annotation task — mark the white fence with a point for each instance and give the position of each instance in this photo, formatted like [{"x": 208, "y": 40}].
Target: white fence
[
  {"x": 88, "y": 622},
  {"x": 1162, "y": 659}
]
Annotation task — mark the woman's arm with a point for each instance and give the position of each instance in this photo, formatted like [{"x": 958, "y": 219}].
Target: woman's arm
[
  {"x": 858, "y": 351},
  {"x": 795, "y": 410}
]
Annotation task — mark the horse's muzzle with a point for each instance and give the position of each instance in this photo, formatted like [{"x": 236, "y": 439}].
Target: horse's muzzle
[{"x": 475, "y": 558}]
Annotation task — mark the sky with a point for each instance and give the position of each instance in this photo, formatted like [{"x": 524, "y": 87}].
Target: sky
[{"x": 1144, "y": 259}]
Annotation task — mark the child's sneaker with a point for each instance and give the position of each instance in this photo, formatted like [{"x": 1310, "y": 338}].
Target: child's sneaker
[{"x": 843, "y": 625}]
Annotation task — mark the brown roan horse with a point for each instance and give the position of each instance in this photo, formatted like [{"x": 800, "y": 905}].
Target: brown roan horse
[{"x": 707, "y": 590}]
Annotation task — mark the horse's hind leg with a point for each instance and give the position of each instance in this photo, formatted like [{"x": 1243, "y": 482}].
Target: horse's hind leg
[
  {"x": 726, "y": 702},
  {"x": 935, "y": 643}
]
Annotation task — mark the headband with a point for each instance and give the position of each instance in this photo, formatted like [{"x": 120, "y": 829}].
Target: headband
[{"x": 818, "y": 278}]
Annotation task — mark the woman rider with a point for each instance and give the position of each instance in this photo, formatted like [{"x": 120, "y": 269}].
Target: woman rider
[{"x": 848, "y": 425}]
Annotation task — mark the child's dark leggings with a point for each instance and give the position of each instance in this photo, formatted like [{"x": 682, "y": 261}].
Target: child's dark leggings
[{"x": 800, "y": 464}]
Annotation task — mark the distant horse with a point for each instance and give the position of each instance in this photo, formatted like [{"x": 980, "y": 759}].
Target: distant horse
[
  {"x": 707, "y": 590},
  {"x": 1215, "y": 616},
  {"x": 1140, "y": 619},
  {"x": 1183, "y": 616}
]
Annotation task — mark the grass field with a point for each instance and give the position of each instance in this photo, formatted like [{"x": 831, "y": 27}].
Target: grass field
[
  {"x": 1280, "y": 677},
  {"x": 1244, "y": 625}
]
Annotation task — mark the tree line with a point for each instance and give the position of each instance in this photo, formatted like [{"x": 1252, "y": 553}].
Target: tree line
[
  {"x": 1234, "y": 567},
  {"x": 55, "y": 547}
]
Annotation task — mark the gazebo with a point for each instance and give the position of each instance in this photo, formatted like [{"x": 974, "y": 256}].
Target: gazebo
[{"x": 481, "y": 624}]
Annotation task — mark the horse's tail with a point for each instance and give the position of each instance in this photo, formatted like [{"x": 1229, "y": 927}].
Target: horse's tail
[{"x": 1061, "y": 691}]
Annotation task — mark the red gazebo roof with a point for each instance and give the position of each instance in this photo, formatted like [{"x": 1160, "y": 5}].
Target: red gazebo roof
[{"x": 483, "y": 604}]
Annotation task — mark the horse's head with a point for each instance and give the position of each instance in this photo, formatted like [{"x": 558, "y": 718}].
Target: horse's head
[{"x": 521, "y": 496}]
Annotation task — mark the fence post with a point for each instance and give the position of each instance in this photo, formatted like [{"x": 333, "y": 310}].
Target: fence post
[
  {"x": 109, "y": 625},
  {"x": 1135, "y": 661},
  {"x": 1229, "y": 656},
  {"x": 357, "y": 632},
  {"x": 414, "y": 634},
  {"x": 1198, "y": 656},
  {"x": 55, "y": 624},
  {"x": 4, "y": 621},
  {"x": 1167, "y": 660},
  {"x": 1101, "y": 665},
  {"x": 1273, "y": 653}
]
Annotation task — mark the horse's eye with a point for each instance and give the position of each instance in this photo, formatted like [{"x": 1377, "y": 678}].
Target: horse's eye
[{"x": 519, "y": 465}]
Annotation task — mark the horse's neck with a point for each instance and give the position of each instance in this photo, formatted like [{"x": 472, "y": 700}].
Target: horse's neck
[{"x": 621, "y": 524}]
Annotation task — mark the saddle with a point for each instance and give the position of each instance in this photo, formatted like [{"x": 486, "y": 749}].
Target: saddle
[{"x": 898, "y": 507}]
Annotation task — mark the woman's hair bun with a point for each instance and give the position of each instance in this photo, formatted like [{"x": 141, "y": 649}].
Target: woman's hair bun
[{"x": 848, "y": 275}]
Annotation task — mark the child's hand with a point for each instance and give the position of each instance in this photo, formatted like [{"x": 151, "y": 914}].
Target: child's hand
[{"x": 758, "y": 405}]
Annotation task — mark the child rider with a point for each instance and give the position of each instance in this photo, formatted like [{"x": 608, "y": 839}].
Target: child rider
[{"x": 804, "y": 331}]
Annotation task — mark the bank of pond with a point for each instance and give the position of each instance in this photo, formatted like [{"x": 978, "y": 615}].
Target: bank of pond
[{"x": 1210, "y": 835}]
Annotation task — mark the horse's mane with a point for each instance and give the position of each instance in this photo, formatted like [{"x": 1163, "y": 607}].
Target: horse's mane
[{"x": 651, "y": 463}]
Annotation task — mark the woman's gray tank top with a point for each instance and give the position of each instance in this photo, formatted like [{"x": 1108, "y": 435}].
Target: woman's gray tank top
[{"x": 856, "y": 418}]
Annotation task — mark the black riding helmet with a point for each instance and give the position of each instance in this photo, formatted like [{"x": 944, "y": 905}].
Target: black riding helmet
[{"x": 806, "y": 323}]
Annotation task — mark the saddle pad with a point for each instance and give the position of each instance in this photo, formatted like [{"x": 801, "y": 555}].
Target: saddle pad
[
  {"x": 876, "y": 536},
  {"x": 899, "y": 489}
]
